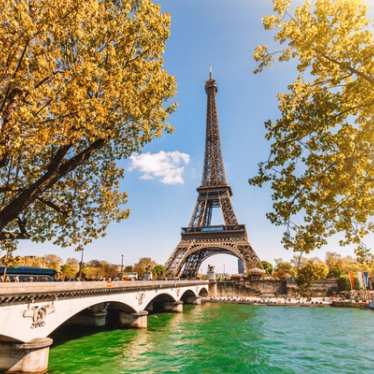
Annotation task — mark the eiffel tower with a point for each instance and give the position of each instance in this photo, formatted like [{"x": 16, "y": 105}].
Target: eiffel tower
[{"x": 201, "y": 239}]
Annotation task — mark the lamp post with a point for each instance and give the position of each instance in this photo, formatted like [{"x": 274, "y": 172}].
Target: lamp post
[
  {"x": 122, "y": 256},
  {"x": 79, "y": 275}
]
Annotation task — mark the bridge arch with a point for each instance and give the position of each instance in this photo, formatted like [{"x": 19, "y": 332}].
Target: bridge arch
[
  {"x": 188, "y": 294},
  {"x": 155, "y": 304},
  {"x": 93, "y": 309}
]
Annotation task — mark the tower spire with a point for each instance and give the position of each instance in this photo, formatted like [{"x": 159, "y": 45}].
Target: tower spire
[{"x": 214, "y": 172}]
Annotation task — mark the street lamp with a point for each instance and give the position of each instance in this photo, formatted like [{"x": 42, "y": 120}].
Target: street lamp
[
  {"x": 122, "y": 256},
  {"x": 79, "y": 275}
]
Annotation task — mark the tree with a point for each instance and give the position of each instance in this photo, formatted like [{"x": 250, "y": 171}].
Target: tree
[
  {"x": 70, "y": 268},
  {"x": 283, "y": 270},
  {"x": 96, "y": 269},
  {"x": 33, "y": 261},
  {"x": 267, "y": 266},
  {"x": 81, "y": 86},
  {"x": 109, "y": 270},
  {"x": 8, "y": 259},
  {"x": 128, "y": 269},
  {"x": 93, "y": 270},
  {"x": 349, "y": 264},
  {"x": 320, "y": 166},
  {"x": 335, "y": 263},
  {"x": 343, "y": 283},
  {"x": 159, "y": 271},
  {"x": 145, "y": 264},
  {"x": 364, "y": 255},
  {"x": 297, "y": 260},
  {"x": 53, "y": 262},
  {"x": 312, "y": 270}
]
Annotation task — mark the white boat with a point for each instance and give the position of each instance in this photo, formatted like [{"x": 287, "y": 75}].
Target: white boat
[{"x": 371, "y": 305}]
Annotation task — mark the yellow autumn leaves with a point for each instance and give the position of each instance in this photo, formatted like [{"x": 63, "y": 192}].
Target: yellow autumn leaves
[
  {"x": 321, "y": 166},
  {"x": 75, "y": 70},
  {"x": 81, "y": 79}
]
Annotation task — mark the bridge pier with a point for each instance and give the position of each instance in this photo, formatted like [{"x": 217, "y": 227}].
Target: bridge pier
[
  {"x": 95, "y": 316},
  {"x": 150, "y": 308},
  {"x": 192, "y": 300},
  {"x": 173, "y": 306},
  {"x": 137, "y": 320},
  {"x": 213, "y": 291},
  {"x": 30, "y": 358}
]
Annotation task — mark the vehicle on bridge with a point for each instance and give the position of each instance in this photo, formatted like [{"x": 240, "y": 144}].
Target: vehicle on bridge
[
  {"x": 131, "y": 275},
  {"x": 28, "y": 274}
]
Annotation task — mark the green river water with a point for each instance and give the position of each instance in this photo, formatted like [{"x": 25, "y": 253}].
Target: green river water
[{"x": 223, "y": 338}]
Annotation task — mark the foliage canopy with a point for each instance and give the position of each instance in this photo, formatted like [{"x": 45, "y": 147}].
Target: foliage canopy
[
  {"x": 321, "y": 163},
  {"x": 310, "y": 271},
  {"x": 81, "y": 86}
]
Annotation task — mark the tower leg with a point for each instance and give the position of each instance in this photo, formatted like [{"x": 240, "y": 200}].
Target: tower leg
[{"x": 240, "y": 266}]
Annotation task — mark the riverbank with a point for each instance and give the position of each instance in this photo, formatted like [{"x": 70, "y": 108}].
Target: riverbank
[{"x": 283, "y": 301}]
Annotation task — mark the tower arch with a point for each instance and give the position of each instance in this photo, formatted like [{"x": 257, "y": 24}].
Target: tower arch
[{"x": 198, "y": 254}]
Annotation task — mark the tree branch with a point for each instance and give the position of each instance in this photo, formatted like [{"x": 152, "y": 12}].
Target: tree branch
[
  {"x": 368, "y": 78},
  {"x": 53, "y": 206},
  {"x": 4, "y": 235},
  {"x": 15, "y": 73},
  {"x": 22, "y": 225},
  {"x": 58, "y": 157},
  {"x": 55, "y": 171},
  {"x": 8, "y": 188}
]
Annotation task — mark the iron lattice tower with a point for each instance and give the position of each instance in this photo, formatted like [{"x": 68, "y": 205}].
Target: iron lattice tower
[{"x": 201, "y": 239}]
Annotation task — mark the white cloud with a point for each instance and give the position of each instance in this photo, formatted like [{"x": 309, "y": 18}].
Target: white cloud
[{"x": 167, "y": 167}]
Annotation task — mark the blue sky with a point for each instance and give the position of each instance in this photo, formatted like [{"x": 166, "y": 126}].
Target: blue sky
[{"x": 222, "y": 33}]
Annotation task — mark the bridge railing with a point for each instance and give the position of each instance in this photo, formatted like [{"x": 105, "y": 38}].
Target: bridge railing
[{"x": 35, "y": 287}]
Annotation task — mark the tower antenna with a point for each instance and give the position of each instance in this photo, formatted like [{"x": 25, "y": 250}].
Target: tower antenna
[{"x": 210, "y": 71}]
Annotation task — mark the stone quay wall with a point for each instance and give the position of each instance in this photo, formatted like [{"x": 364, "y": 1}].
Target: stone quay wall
[
  {"x": 323, "y": 288},
  {"x": 251, "y": 288},
  {"x": 272, "y": 288}
]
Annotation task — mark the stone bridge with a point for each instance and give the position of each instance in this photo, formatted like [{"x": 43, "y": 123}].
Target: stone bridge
[{"x": 30, "y": 312}]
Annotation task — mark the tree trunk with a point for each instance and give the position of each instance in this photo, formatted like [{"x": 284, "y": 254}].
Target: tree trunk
[{"x": 56, "y": 170}]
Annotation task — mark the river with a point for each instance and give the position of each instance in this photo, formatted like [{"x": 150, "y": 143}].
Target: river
[{"x": 224, "y": 338}]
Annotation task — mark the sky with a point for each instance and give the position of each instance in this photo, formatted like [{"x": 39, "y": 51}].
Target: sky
[{"x": 161, "y": 182}]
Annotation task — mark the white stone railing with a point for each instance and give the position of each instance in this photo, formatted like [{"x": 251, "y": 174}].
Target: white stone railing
[{"x": 36, "y": 287}]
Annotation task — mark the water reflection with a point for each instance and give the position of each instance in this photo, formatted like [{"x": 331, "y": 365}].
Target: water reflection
[{"x": 156, "y": 339}]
